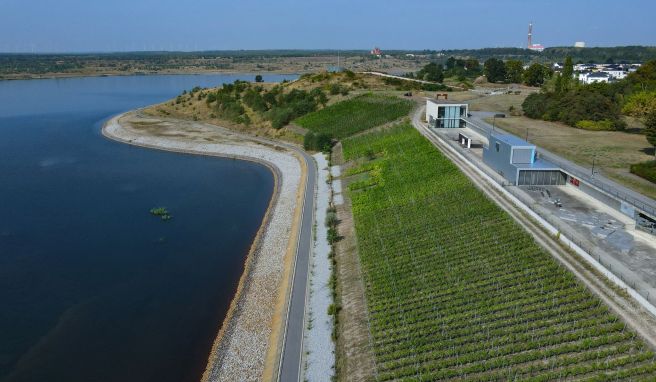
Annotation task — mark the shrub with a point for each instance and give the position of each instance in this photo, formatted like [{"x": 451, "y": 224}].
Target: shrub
[
  {"x": 645, "y": 170},
  {"x": 602, "y": 125},
  {"x": 317, "y": 142},
  {"x": 640, "y": 104},
  {"x": 280, "y": 116},
  {"x": 331, "y": 219},
  {"x": 583, "y": 104}
]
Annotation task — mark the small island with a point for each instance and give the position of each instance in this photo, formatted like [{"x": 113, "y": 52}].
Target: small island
[{"x": 162, "y": 212}]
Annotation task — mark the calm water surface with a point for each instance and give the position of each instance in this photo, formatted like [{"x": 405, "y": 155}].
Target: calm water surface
[{"x": 93, "y": 288}]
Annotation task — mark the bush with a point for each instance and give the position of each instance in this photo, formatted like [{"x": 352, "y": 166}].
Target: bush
[
  {"x": 583, "y": 104},
  {"x": 331, "y": 219},
  {"x": 640, "y": 104},
  {"x": 603, "y": 125},
  {"x": 645, "y": 170},
  {"x": 317, "y": 142},
  {"x": 280, "y": 116}
]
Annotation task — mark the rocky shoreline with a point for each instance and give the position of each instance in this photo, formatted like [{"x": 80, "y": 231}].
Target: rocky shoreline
[{"x": 248, "y": 341}]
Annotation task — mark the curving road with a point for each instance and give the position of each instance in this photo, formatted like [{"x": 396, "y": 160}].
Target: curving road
[{"x": 290, "y": 360}]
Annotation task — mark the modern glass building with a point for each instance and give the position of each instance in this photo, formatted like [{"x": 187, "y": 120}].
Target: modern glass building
[{"x": 445, "y": 114}]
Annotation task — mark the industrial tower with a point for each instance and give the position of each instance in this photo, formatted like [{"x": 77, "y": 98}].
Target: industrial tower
[{"x": 530, "y": 45}]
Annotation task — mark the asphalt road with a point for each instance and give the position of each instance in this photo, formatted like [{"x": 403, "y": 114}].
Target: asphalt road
[{"x": 290, "y": 363}]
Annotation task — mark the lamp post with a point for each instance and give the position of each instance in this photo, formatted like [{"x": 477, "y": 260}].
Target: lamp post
[{"x": 593, "y": 164}]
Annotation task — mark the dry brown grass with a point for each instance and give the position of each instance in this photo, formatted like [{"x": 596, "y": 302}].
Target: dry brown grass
[
  {"x": 614, "y": 151},
  {"x": 191, "y": 108}
]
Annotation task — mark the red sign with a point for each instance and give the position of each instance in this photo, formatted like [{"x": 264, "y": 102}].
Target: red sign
[{"x": 574, "y": 181}]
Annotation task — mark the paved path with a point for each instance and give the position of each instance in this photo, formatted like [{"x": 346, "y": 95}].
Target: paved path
[
  {"x": 412, "y": 79},
  {"x": 636, "y": 199},
  {"x": 290, "y": 362}
]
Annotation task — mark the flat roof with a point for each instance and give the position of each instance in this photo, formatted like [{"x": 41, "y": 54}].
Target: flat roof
[
  {"x": 539, "y": 164},
  {"x": 446, "y": 102},
  {"x": 512, "y": 140}
]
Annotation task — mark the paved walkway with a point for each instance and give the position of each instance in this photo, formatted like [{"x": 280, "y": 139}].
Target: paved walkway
[{"x": 290, "y": 363}]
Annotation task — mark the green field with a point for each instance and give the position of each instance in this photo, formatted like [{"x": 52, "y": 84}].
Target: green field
[
  {"x": 456, "y": 290},
  {"x": 357, "y": 114}
]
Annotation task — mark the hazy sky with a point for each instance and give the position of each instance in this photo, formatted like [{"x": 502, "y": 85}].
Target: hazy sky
[{"x": 120, "y": 25}]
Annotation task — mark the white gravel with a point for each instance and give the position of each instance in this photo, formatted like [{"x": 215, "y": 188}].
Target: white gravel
[
  {"x": 338, "y": 199},
  {"x": 318, "y": 347},
  {"x": 240, "y": 355},
  {"x": 335, "y": 171},
  {"x": 337, "y": 186}
]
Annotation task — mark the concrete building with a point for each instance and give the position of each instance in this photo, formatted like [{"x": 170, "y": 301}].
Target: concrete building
[
  {"x": 516, "y": 160},
  {"x": 445, "y": 114},
  {"x": 590, "y": 78},
  {"x": 615, "y": 71}
]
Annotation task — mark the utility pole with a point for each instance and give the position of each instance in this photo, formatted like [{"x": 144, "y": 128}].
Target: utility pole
[{"x": 593, "y": 164}]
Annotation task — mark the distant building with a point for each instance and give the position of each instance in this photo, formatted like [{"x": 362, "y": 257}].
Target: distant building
[
  {"x": 530, "y": 45},
  {"x": 376, "y": 51},
  {"x": 516, "y": 160},
  {"x": 579, "y": 44},
  {"x": 617, "y": 72},
  {"x": 593, "y": 77},
  {"x": 446, "y": 114},
  {"x": 536, "y": 47}
]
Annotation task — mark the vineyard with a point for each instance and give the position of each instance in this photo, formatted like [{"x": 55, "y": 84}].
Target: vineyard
[
  {"x": 456, "y": 290},
  {"x": 357, "y": 114}
]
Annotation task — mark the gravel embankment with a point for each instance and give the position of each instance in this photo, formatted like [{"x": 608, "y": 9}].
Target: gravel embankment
[
  {"x": 318, "y": 346},
  {"x": 240, "y": 350}
]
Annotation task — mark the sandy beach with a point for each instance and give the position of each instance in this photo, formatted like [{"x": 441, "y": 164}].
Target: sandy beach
[{"x": 249, "y": 340}]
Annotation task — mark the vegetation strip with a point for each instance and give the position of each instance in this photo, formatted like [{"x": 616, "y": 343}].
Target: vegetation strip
[
  {"x": 405, "y": 239},
  {"x": 355, "y": 115}
]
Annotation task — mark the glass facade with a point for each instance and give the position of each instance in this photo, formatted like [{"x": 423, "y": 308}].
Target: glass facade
[{"x": 450, "y": 116}]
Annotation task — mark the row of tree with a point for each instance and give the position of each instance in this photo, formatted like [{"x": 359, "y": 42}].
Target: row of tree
[
  {"x": 597, "y": 106},
  {"x": 512, "y": 71}
]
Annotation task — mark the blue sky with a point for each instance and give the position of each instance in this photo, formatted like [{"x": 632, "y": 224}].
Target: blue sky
[{"x": 129, "y": 25}]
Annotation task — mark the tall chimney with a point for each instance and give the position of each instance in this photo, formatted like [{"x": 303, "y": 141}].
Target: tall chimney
[{"x": 530, "y": 35}]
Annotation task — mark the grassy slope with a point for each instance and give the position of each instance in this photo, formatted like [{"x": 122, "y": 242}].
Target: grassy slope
[
  {"x": 363, "y": 112},
  {"x": 193, "y": 108},
  {"x": 457, "y": 290}
]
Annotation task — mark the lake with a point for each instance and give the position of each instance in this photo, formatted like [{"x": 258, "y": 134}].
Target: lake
[{"x": 92, "y": 286}]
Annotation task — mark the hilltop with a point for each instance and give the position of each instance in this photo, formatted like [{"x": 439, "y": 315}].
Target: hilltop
[{"x": 269, "y": 109}]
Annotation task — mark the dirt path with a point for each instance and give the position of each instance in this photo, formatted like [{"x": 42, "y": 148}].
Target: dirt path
[{"x": 355, "y": 358}]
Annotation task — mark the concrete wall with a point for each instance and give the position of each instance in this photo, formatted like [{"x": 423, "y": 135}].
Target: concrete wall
[
  {"x": 431, "y": 110},
  {"x": 603, "y": 197},
  {"x": 500, "y": 161}
]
